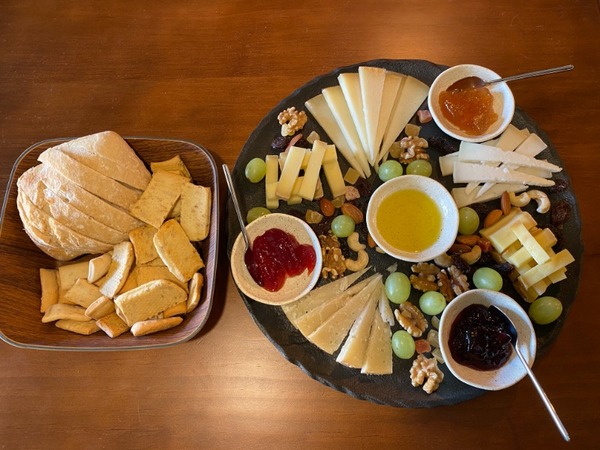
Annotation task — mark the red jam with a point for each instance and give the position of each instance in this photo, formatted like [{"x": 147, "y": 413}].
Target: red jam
[
  {"x": 276, "y": 255},
  {"x": 479, "y": 339},
  {"x": 471, "y": 110}
]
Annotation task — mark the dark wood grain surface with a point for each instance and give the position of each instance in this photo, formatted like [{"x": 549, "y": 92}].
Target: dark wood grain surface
[{"x": 208, "y": 72}]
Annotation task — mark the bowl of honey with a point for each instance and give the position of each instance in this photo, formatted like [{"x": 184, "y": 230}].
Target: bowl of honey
[
  {"x": 472, "y": 114},
  {"x": 412, "y": 218}
]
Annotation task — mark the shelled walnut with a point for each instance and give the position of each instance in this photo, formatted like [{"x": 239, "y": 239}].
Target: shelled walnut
[
  {"x": 334, "y": 264},
  {"x": 291, "y": 121},
  {"x": 424, "y": 368},
  {"x": 424, "y": 276},
  {"x": 411, "y": 319},
  {"x": 413, "y": 148}
]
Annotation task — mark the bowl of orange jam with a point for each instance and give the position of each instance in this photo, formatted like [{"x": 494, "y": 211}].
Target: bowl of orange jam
[{"x": 474, "y": 114}]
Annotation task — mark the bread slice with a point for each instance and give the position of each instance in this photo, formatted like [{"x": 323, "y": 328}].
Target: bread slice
[
  {"x": 86, "y": 202},
  {"x": 31, "y": 185},
  {"x": 109, "y": 154},
  {"x": 89, "y": 179}
]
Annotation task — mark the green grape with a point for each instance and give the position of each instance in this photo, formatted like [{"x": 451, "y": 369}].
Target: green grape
[
  {"x": 390, "y": 169},
  {"x": 255, "y": 170},
  {"x": 432, "y": 303},
  {"x": 468, "y": 220},
  {"x": 545, "y": 310},
  {"x": 419, "y": 167},
  {"x": 255, "y": 213},
  {"x": 342, "y": 226},
  {"x": 397, "y": 287},
  {"x": 403, "y": 344},
  {"x": 487, "y": 278}
]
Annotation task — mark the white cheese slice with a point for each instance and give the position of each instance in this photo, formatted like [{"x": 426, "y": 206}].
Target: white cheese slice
[
  {"x": 465, "y": 172},
  {"x": 312, "y": 171},
  {"x": 319, "y": 108},
  {"x": 353, "y": 352},
  {"x": 473, "y": 152},
  {"x": 378, "y": 359},
  {"x": 511, "y": 138},
  {"x": 532, "y": 146},
  {"x": 271, "y": 179},
  {"x": 372, "y": 80},
  {"x": 319, "y": 295},
  {"x": 462, "y": 198},
  {"x": 446, "y": 163},
  {"x": 391, "y": 88},
  {"x": 329, "y": 336},
  {"x": 350, "y": 84},
  {"x": 541, "y": 271},
  {"x": 290, "y": 172},
  {"x": 334, "y": 97},
  {"x": 412, "y": 95},
  {"x": 333, "y": 173}
]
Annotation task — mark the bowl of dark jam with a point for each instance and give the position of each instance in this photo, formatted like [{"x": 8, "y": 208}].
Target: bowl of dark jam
[
  {"x": 472, "y": 114},
  {"x": 475, "y": 341}
]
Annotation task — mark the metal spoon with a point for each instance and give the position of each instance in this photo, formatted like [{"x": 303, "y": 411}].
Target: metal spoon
[
  {"x": 236, "y": 205},
  {"x": 475, "y": 82},
  {"x": 514, "y": 340}
]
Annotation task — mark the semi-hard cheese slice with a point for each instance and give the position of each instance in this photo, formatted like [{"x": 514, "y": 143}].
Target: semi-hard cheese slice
[
  {"x": 289, "y": 174},
  {"x": 352, "y": 353},
  {"x": 541, "y": 271},
  {"x": 271, "y": 179},
  {"x": 533, "y": 247},
  {"x": 329, "y": 336},
  {"x": 378, "y": 359},
  {"x": 521, "y": 256},
  {"x": 319, "y": 108},
  {"x": 501, "y": 235},
  {"x": 372, "y": 80},
  {"x": 319, "y": 295},
  {"x": 412, "y": 95},
  {"x": 350, "y": 84},
  {"x": 333, "y": 173},
  {"x": 295, "y": 198},
  {"x": 311, "y": 174}
]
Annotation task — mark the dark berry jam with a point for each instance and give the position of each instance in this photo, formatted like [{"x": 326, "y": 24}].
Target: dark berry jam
[
  {"x": 480, "y": 339},
  {"x": 276, "y": 255}
]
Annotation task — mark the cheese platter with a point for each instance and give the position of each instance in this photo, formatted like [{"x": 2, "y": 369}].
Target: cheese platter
[{"x": 363, "y": 144}]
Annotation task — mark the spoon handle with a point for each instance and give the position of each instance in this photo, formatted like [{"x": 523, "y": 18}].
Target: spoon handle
[
  {"x": 544, "y": 397},
  {"x": 236, "y": 205},
  {"x": 537, "y": 73}
]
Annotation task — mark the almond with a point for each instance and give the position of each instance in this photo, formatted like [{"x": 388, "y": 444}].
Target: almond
[
  {"x": 327, "y": 207},
  {"x": 493, "y": 216},
  {"x": 370, "y": 242},
  {"x": 468, "y": 239},
  {"x": 350, "y": 210},
  {"x": 457, "y": 249},
  {"x": 505, "y": 203}
]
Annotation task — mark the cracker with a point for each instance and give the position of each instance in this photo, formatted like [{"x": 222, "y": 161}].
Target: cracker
[
  {"x": 98, "y": 267},
  {"x": 173, "y": 165},
  {"x": 122, "y": 261},
  {"x": 74, "y": 326},
  {"x": 141, "y": 238},
  {"x": 83, "y": 293},
  {"x": 176, "y": 251},
  {"x": 60, "y": 311},
  {"x": 195, "y": 211},
  {"x": 103, "y": 306},
  {"x": 49, "y": 285},
  {"x": 195, "y": 288},
  {"x": 154, "y": 325},
  {"x": 112, "y": 325}
]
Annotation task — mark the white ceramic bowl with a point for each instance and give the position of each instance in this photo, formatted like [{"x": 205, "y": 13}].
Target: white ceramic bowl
[
  {"x": 513, "y": 370},
  {"x": 294, "y": 287},
  {"x": 504, "y": 102},
  {"x": 441, "y": 197}
]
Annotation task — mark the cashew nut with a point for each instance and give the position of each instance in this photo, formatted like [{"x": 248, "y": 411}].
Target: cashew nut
[
  {"x": 444, "y": 260},
  {"x": 473, "y": 256},
  {"x": 519, "y": 200},
  {"x": 542, "y": 200},
  {"x": 354, "y": 243},
  {"x": 359, "y": 263}
]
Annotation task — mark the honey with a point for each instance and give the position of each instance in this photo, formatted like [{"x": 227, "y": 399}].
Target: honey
[
  {"x": 471, "y": 110},
  {"x": 409, "y": 220}
]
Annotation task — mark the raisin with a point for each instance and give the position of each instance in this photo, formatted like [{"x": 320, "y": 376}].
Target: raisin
[
  {"x": 442, "y": 144},
  {"x": 561, "y": 211},
  {"x": 461, "y": 264},
  {"x": 560, "y": 185},
  {"x": 280, "y": 142}
]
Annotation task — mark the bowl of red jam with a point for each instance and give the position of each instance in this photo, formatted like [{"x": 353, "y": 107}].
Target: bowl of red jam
[
  {"x": 475, "y": 114},
  {"x": 283, "y": 263},
  {"x": 475, "y": 342}
]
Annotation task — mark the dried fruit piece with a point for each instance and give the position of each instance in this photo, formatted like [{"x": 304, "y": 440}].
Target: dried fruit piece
[{"x": 313, "y": 217}]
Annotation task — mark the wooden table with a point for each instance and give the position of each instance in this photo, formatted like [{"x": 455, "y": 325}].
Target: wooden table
[{"x": 208, "y": 72}]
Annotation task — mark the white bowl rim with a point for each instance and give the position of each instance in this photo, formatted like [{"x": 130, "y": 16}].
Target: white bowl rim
[
  {"x": 511, "y": 372},
  {"x": 455, "y": 73},
  {"x": 295, "y": 287},
  {"x": 442, "y": 198}
]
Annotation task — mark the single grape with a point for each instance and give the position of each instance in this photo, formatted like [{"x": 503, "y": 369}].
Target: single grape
[
  {"x": 419, "y": 167},
  {"x": 255, "y": 170},
  {"x": 390, "y": 169},
  {"x": 255, "y": 213},
  {"x": 487, "y": 278},
  {"x": 545, "y": 310},
  {"x": 432, "y": 303},
  {"x": 468, "y": 220},
  {"x": 403, "y": 344},
  {"x": 397, "y": 287},
  {"x": 342, "y": 226}
]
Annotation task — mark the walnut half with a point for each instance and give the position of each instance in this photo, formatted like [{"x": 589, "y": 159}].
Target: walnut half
[
  {"x": 411, "y": 319},
  {"x": 426, "y": 369}
]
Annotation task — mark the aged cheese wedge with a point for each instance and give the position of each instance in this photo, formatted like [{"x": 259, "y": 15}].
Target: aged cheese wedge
[
  {"x": 271, "y": 179},
  {"x": 378, "y": 358},
  {"x": 320, "y": 295},
  {"x": 329, "y": 336},
  {"x": 333, "y": 173},
  {"x": 391, "y": 87},
  {"x": 412, "y": 95},
  {"x": 372, "y": 80},
  {"x": 350, "y": 84},
  {"x": 311, "y": 174},
  {"x": 92, "y": 181},
  {"x": 318, "y": 107},
  {"x": 352, "y": 353},
  {"x": 334, "y": 97}
]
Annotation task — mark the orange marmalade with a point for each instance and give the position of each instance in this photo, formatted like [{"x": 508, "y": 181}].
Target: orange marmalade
[{"x": 471, "y": 110}]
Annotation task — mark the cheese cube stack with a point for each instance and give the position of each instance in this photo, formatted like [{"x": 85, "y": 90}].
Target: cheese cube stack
[{"x": 529, "y": 249}]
